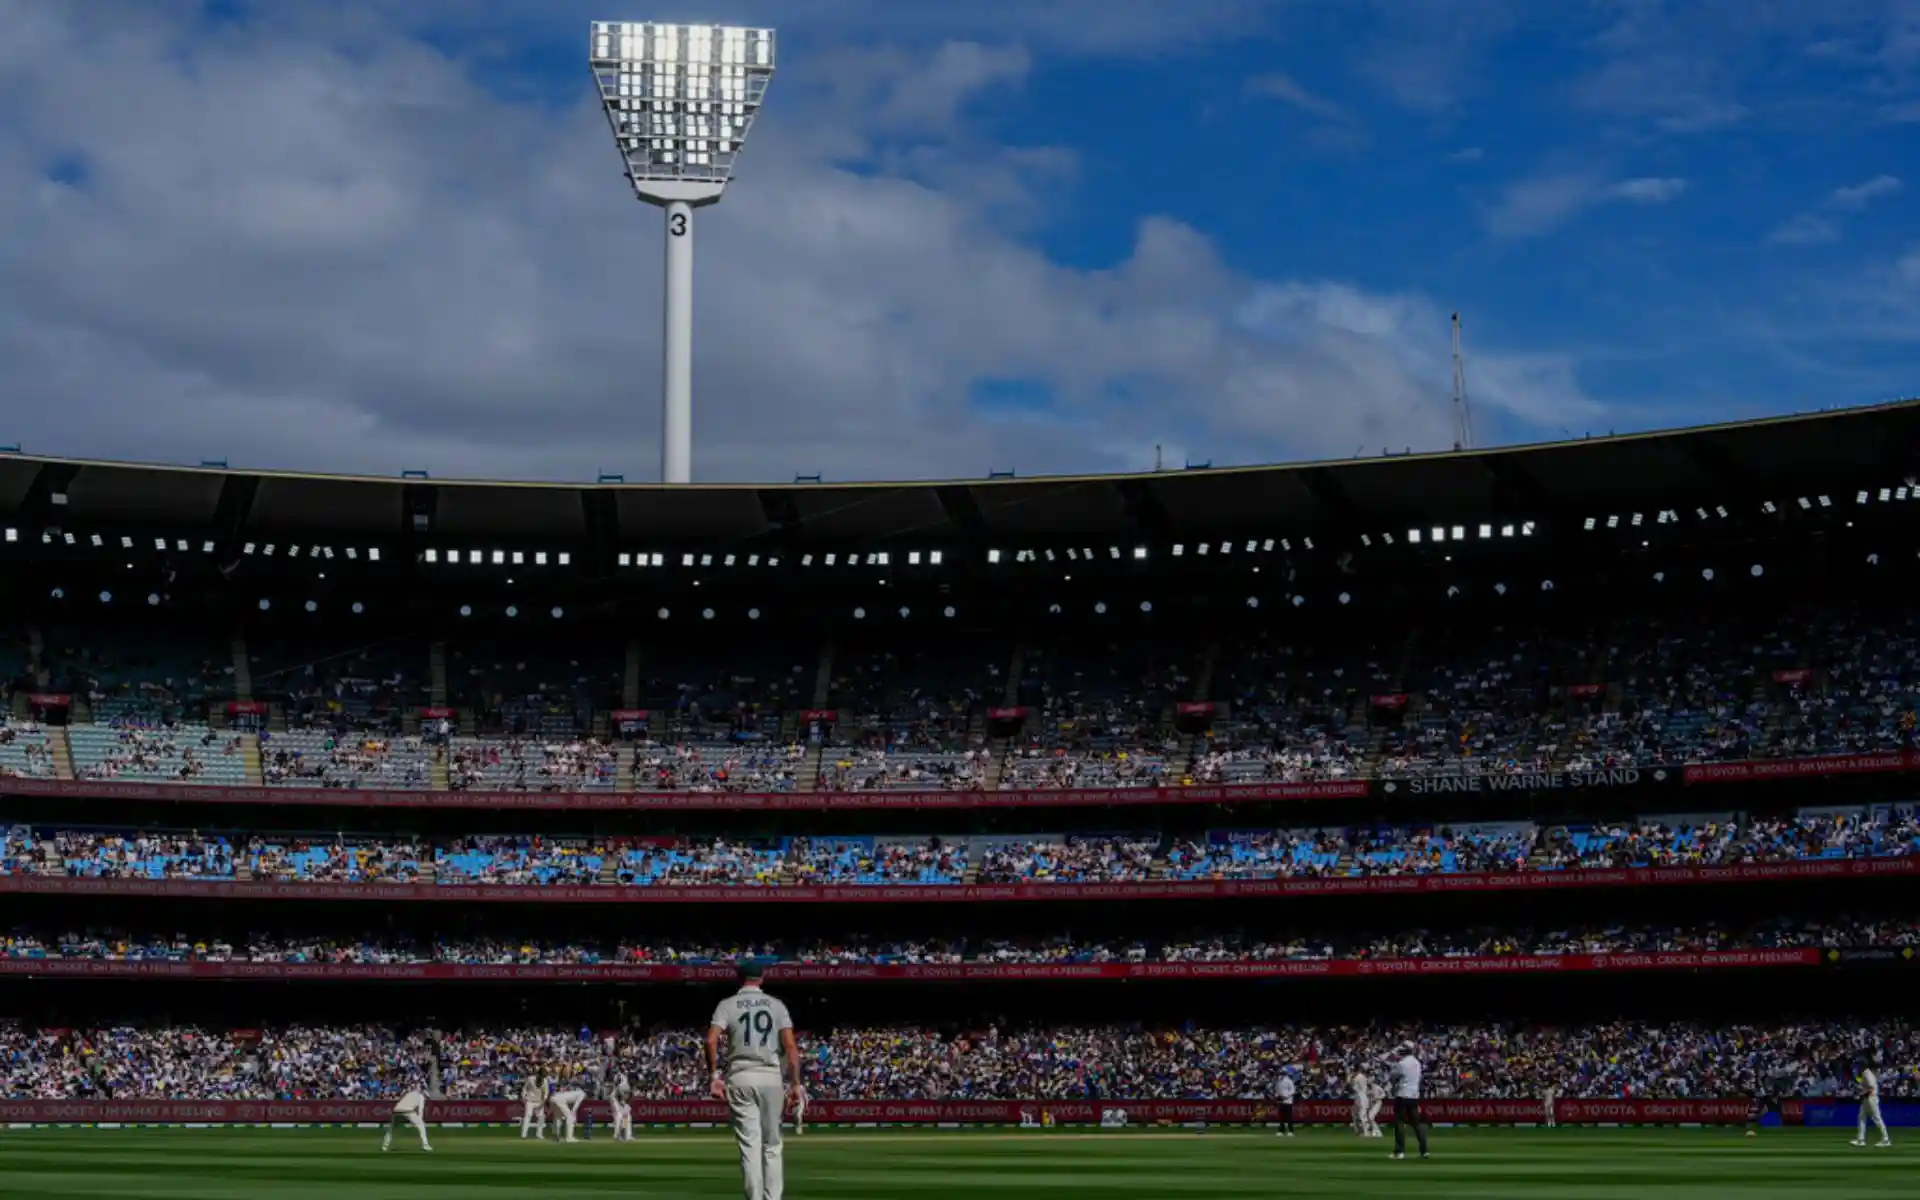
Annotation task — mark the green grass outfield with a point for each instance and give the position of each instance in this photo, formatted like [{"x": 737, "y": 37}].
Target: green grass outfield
[{"x": 1539, "y": 1164}]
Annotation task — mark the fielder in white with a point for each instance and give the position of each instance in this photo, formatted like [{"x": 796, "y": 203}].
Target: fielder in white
[
  {"x": 758, "y": 1032},
  {"x": 620, "y": 1100},
  {"x": 1366, "y": 1106},
  {"x": 566, "y": 1110},
  {"x": 1870, "y": 1108},
  {"x": 533, "y": 1106},
  {"x": 411, "y": 1109},
  {"x": 1550, "y": 1102}
]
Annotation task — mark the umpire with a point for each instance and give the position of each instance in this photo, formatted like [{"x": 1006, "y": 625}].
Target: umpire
[{"x": 1403, "y": 1081}]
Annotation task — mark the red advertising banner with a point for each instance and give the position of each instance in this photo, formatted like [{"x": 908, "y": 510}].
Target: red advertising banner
[
  {"x": 882, "y": 1112},
  {"x": 978, "y": 893},
  {"x": 1394, "y": 700},
  {"x": 1540, "y": 964},
  {"x": 437, "y": 713},
  {"x": 246, "y": 708},
  {"x": 1796, "y": 676},
  {"x": 1802, "y": 768},
  {"x": 1332, "y": 789},
  {"x": 631, "y": 715},
  {"x": 1195, "y": 708},
  {"x": 820, "y": 714},
  {"x": 47, "y": 700},
  {"x": 1583, "y": 691},
  {"x": 1016, "y": 713}
]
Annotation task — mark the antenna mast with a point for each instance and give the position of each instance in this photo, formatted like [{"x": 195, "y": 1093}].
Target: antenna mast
[{"x": 1462, "y": 411}]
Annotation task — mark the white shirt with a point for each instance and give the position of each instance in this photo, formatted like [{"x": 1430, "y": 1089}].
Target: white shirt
[
  {"x": 1406, "y": 1079},
  {"x": 752, "y": 1022},
  {"x": 1362, "y": 1087},
  {"x": 1869, "y": 1085},
  {"x": 413, "y": 1102},
  {"x": 1286, "y": 1089}
]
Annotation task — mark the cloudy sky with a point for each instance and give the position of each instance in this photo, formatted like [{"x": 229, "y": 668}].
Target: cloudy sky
[{"x": 998, "y": 235}]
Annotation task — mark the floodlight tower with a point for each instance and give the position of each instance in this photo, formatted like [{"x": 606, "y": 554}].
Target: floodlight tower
[{"x": 680, "y": 100}]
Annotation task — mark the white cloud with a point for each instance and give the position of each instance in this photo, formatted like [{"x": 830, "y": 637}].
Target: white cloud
[
  {"x": 1541, "y": 203},
  {"x": 1806, "y": 229},
  {"x": 1335, "y": 128},
  {"x": 358, "y": 259},
  {"x": 1646, "y": 190},
  {"x": 1862, "y": 194},
  {"x": 1824, "y": 228}
]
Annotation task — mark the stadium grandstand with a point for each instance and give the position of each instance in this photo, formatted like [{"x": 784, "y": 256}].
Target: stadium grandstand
[{"x": 1276, "y": 767}]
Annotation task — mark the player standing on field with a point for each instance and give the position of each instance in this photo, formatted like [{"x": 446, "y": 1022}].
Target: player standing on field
[
  {"x": 759, "y": 1036},
  {"x": 412, "y": 1110},
  {"x": 1550, "y": 1105},
  {"x": 1870, "y": 1108},
  {"x": 1362, "y": 1089},
  {"x": 533, "y": 1105},
  {"x": 1285, "y": 1091},
  {"x": 620, "y": 1100},
  {"x": 1404, "y": 1082}
]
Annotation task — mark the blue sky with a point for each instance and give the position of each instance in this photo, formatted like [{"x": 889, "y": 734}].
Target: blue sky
[{"x": 995, "y": 236}]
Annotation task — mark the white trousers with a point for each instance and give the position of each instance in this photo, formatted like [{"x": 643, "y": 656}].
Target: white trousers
[
  {"x": 533, "y": 1117},
  {"x": 407, "y": 1118},
  {"x": 754, "y": 1103},
  {"x": 565, "y": 1111},
  {"x": 1870, "y": 1114},
  {"x": 1551, "y": 1104},
  {"x": 622, "y": 1120}
]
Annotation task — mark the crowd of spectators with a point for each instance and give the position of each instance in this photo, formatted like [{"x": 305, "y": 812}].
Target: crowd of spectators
[
  {"x": 346, "y": 760},
  {"x": 1481, "y": 1060},
  {"x": 161, "y": 750},
  {"x": 1618, "y": 937},
  {"x": 1001, "y": 859},
  {"x": 1091, "y": 859},
  {"x": 25, "y": 751},
  {"x": 730, "y": 767},
  {"x": 532, "y": 765},
  {"x": 519, "y": 860}
]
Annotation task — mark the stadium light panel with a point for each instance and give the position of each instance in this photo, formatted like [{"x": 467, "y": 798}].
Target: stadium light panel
[
  {"x": 993, "y": 556},
  {"x": 432, "y": 556},
  {"x": 373, "y": 554},
  {"x": 1100, "y": 607},
  {"x": 1179, "y": 549},
  {"x": 265, "y": 604},
  {"x": 1826, "y": 502},
  {"x": 1140, "y": 553},
  {"x": 13, "y": 535},
  {"x": 566, "y": 559},
  {"x": 1413, "y": 535},
  {"x": 95, "y": 539},
  {"x": 728, "y": 561},
  {"x": 1202, "y": 549},
  {"x": 1439, "y": 534},
  {"x": 512, "y": 612},
  {"x": 1459, "y": 534},
  {"x": 936, "y": 557},
  {"x": 1770, "y": 507},
  {"x": 1307, "y": 542},
  {"x": 859, "y": 614},
  {"x": 126, "y": 543},
  {"x": 1146, "y": 606},
  {"x": 519, "y": 558},
  {"x": 1486, "y": 531},
  {"x": 626, "y": 560},
  {"x": 106, "y": 597},
  {"x": 466, "y": 610}
]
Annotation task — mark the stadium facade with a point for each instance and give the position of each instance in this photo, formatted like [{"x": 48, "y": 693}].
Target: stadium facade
[{"x": 1272, "y": 760}]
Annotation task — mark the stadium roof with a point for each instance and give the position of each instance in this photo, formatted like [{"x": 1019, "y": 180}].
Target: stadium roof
[{"x": 1781, "y": 457}]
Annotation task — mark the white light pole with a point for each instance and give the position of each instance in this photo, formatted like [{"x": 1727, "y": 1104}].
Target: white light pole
[{"x": 680, "y": 100}]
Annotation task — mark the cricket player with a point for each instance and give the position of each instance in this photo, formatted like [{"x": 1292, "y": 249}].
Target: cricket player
[
  {"x": 411, "y": 1108},
  {"x": 1376, "y": 1096},
  {"x": 1285, "y": 1092},
  {"x": 533, "y": 1106},
  {"x": 799, "y": 1110},
  {"x": 758, "y": 1032},
  {"x": 1550, "y": 1106},
  {"x": 620, "y": 1100},
  {"x": 1362, "y": 1090},
  {"x": 1403, "y": 1080},
  {"x": 566, "y": 1111},
  {"x": 1870, "y": 1108}
]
